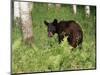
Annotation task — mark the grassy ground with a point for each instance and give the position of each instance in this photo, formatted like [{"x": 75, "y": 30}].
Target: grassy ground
[{"x": 47, "y": 54}]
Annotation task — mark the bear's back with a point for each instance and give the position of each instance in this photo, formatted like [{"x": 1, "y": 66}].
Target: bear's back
[{"x": 70, "y": 25}]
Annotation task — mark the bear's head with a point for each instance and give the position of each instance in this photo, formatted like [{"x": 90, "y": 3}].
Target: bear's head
[{"x": 51, "y": 27}]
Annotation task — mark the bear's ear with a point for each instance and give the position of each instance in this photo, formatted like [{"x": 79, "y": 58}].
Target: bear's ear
[
  {"x": 46, "y": 23},
  {"x": 55, "y": 21}
]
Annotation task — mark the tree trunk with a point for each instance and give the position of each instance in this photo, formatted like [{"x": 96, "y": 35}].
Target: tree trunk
[
  {"x": 87, "y": 10},
  {"x": 16, "y": 13},
  {"x": 58, "y": 6},
  {"x": 31, "y": 4},
  {"x": 26, "y": 22},
  {"x": 50, "y": 5},
  {"x": 74, "y": 9}
]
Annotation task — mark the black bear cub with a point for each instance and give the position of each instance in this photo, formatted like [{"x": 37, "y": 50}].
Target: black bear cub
[{"x": 70, "y": 28}]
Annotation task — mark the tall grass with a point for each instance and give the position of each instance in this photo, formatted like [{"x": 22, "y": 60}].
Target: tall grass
[{"x": 46, "y": 54}]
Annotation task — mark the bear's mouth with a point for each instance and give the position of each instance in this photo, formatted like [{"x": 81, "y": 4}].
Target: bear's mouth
[{"x": 50, "y": 34}]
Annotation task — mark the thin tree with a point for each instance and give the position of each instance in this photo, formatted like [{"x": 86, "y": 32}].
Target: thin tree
[
  {"x": 74, "y": 9},
  {"x": 50, "y": 5},
  {"x": 26, "y": 22},
  {"x": 87, "y": 11},
  {"x": 58, "y": 6}
]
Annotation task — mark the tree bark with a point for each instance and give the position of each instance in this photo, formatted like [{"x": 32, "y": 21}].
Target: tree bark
[
  {"x": 58, "y": 6},
  {"x": 16, "y": 13},
  {"x": 87, "y": 11},
  {"x": 50, "y": 5},
  {"x": 74, "y": 9},
  {"x": 26, "y": 22},
  {"x": 31, "y": 4}
]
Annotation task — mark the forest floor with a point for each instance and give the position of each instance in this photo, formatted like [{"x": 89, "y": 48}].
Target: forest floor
[{"x": 47, "y": 55}]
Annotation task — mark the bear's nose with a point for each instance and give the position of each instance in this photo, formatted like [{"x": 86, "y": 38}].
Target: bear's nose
[{"x": 50, "y": 34}]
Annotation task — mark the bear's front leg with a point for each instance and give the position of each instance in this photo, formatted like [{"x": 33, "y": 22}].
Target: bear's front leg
[
  {"x": 60, "y": 38},
  {"x": 74, "y": 43}
]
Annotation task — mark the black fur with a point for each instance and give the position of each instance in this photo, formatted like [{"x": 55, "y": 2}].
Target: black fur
[{"x": 66, "y": 28}]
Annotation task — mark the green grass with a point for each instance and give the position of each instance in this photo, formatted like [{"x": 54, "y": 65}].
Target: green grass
[{"x": 46, "y": 54}]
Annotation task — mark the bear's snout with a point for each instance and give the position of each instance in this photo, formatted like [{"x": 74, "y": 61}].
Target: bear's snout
[{"x": 50, "y": 34}]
